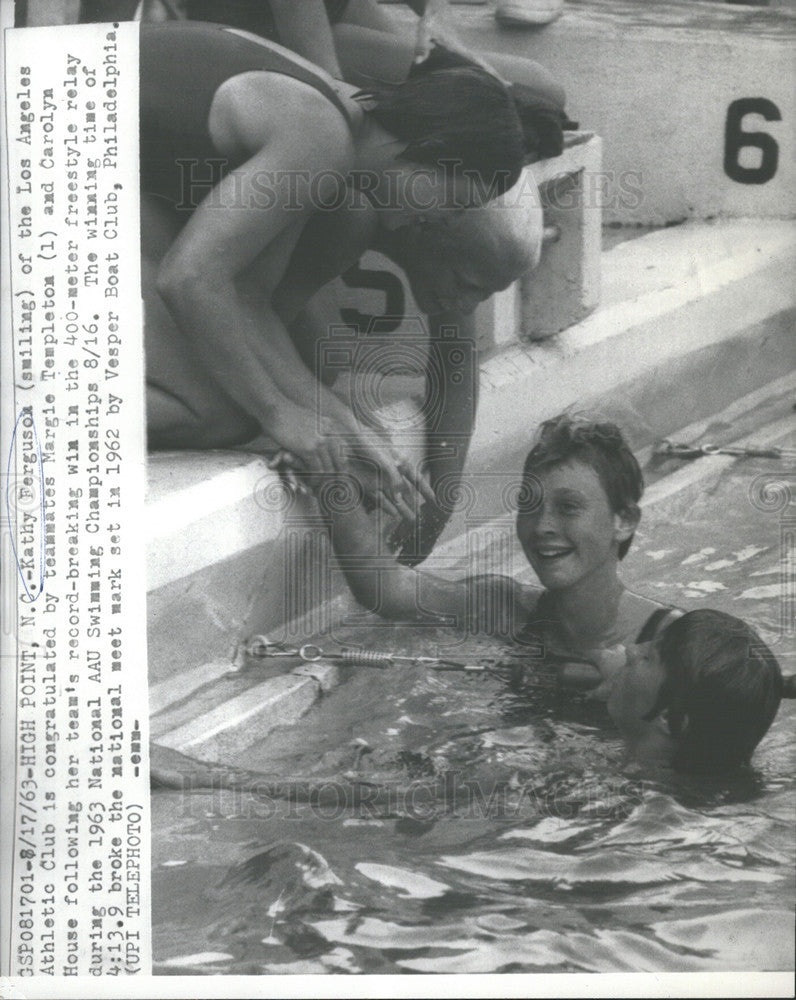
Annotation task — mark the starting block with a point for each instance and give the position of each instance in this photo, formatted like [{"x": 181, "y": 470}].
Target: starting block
[{"x": 565, "y": 286}]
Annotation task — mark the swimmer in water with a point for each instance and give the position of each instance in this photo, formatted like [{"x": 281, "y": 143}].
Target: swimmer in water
[
  {"x": 577, "y": 511},
  {"x": 701, "y": 696},
  {"x": 226, "y": 118}
]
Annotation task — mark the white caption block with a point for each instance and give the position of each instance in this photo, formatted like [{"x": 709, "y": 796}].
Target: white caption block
[{"x": 74, "y": 668}]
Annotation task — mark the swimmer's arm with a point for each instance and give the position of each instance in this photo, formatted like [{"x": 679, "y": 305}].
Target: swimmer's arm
[
  {"x": 242, "y": 343},
  {"x": 450, "y": 407},
  {"x": 381, "y": 584},
  {"x": 303, "y": 26},
  {"x": 489, "y": 603},
  {"x": 246, "y": 347}
]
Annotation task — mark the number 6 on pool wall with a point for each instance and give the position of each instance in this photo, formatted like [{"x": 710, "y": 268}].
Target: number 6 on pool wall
[{"x": 735, "y": 139}]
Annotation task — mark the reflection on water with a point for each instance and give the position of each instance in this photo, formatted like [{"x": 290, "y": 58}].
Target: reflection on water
[{"x": 452, "y": 825}]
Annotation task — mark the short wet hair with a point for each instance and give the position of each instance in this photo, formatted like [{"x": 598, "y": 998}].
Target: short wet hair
[
  {"x": 598, "y": 444},
  {"x": 722, "y": 689},
  {"x": 542, "y": 119},
  {"x": 454, "y": 116}
]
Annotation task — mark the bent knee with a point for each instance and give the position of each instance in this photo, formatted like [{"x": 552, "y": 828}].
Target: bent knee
[{"x": 200, "y": 422}]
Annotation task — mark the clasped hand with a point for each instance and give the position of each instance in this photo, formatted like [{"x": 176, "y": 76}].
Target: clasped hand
[{"x": 338, "y": 446}]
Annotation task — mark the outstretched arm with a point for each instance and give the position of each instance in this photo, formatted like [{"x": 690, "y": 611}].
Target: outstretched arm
[
  {"x": 451, "y": 382},
  {"x": 490, "y": 604},
  {"x": 381, "y": 584}
]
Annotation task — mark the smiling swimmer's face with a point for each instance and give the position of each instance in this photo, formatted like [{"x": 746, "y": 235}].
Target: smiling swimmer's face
[{"x": 572, "y": 533}]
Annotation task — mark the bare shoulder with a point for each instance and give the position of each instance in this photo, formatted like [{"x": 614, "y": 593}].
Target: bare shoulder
[{"x": 258, "y": 109}]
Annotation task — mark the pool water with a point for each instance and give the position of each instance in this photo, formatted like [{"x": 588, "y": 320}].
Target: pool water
[{"x": 457, "y": 825}]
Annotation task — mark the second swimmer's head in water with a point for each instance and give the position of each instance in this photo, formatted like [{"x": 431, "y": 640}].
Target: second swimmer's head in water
[{"x": 702, "y": 696}]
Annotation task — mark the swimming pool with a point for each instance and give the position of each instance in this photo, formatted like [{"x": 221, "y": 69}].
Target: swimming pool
[{"x": 508, "y": 832}]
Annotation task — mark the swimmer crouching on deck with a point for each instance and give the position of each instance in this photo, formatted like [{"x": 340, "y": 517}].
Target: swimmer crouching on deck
[
  {"x": 244, "y": 111},
  {"x": 576, "y": 518},
  {"x": 452, "y": 263}
]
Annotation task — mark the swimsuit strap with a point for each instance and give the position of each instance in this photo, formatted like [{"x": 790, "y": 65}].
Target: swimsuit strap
[{"x": 655, "y": 623}]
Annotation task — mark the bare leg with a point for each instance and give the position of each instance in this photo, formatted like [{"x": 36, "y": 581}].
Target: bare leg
[
  {"x": 366, "y": 54},
  {"x": 531, "y": 74},
  {"x": 185, "y": 406},
  {"x": 378, "y": 48},
  {"x": 368, "y": 14}
]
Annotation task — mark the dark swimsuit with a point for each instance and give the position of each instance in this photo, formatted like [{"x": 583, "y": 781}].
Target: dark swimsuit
[
  {"x": 182, "y": 64},
  {"x": 542, "y": 669}
]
